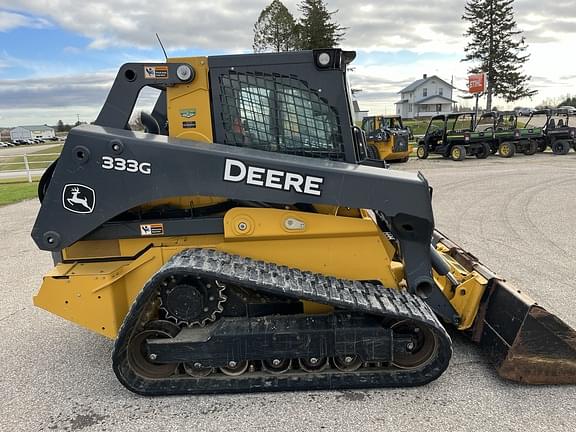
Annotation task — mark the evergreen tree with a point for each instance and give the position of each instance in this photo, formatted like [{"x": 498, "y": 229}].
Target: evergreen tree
[
  {"x": 316, "y": 28},
  {"x": 60, "y": 126},
  {"x": 275, "y": 29},
  {"x": 568, "y": 101},
  {"x": 497, "y": 48}
]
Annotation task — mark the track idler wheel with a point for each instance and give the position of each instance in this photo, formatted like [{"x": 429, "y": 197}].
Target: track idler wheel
[
  {"x": 235, "y": 368},
  {"x": 197, "y": 370},
  {"x": 347, "y": 363},
  {"x": 142, "y": 363},
  {"x": 276, "y": 366},
  {"x": 421, "y": 349},
  {"x": 313, "y": 364}
]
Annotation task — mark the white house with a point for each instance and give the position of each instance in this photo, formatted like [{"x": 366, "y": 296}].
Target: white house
[
  {"x": 358, "y": 113},
  {"x": 31, "y": 132},
  {"x": 425, "y": 97}
]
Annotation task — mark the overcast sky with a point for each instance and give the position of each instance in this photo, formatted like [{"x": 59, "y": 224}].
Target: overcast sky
[{"x": 58, "y": 57}]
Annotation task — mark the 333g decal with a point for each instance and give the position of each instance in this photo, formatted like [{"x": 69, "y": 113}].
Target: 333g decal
[{"x": 128, "y": 165}]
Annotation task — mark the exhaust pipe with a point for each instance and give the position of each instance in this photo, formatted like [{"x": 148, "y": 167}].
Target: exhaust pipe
[{"x": 526, "y": 343}]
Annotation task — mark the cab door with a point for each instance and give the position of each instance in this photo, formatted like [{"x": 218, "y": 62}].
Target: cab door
[{"x": 369, "y": 127}]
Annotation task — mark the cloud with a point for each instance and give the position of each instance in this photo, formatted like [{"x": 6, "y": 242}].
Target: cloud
[
  {"x": 47, "y": 100},
  {"x": 226, "y": 25},
  {"x": 202, "y": 25},
  {"x": 376, "y": 28},
  {"x": 12, "y": 20},
  {"x": 72, "y": 50},
  {"x": 62, "y": 91}
]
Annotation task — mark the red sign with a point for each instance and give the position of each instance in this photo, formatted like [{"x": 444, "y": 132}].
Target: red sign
[{"x": 477, "y": 83}]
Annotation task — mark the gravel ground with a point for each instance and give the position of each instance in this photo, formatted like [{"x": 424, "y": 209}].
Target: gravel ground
[{"x": 516, "y": 215}]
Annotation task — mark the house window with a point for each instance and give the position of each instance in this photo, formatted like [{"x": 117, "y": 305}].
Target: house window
[
  {"x": 409, "y": 107},
  {"x": 438, "y": 107},
  {"x": 424, "y": 92},
  {"x": 441, "y": 91}
]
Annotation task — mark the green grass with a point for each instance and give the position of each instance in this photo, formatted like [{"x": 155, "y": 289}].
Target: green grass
[
  {"x": 13, "y": 192},
  {"x": 418, "y": 126},
  {"x": 37, "y": 159}
]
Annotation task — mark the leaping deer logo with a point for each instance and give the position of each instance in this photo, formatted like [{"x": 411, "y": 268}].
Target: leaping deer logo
[{"x": 78, "y": 198}]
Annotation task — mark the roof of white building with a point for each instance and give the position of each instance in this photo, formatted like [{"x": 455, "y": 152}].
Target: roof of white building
[
  {"x": 36, "y": 127},
  {"x": 421, "y": 81}
]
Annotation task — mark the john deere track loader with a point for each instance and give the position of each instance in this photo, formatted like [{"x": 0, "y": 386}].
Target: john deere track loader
[
  {"x": 245, "y": 242},
  {"x": 386, "y": 138}
]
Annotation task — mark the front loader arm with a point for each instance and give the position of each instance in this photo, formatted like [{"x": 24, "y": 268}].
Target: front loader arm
[{"x": 126, "y": 169}]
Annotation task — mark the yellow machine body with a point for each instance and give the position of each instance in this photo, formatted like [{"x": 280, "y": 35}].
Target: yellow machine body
[
  {"x": 385, "y": 144},
  {"x": 97, "y": 295}
]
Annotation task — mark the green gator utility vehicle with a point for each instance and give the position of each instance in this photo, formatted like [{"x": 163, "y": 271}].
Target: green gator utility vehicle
[
  {"x": 507, "y": 138},
  {"x": 558, "y": 134},
  {"x": 453, "y": 136}
]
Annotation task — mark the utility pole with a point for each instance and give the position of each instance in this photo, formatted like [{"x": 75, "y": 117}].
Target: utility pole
[{"x": 477, "y": 95}]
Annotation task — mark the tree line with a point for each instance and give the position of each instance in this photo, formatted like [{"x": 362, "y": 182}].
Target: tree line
[
  {"x": 277, "y": 30},
  {"x": 495, "y": 44},
  {"x": 65, "y": 127}
]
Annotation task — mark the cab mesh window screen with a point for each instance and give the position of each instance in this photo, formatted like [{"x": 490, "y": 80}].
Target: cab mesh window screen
[{"x": 280, "y": 114}]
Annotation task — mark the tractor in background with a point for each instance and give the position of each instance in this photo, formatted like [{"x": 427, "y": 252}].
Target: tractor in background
[{"x": 387, "y": 138}]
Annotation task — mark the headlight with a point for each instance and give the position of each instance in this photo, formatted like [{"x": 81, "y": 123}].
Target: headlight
[
  {"x": 185, "y": 73},
  {"x": 324, "y": 59}
]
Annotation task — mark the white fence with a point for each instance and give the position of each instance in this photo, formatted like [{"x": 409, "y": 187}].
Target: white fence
[{"x": 25, "y": 165}]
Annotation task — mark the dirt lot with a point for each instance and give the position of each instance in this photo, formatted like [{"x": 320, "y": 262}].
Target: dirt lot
[{"x": 516, "y": 215}]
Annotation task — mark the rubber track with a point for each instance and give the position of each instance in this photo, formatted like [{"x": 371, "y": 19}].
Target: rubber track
[{"x": 354, "y": 296}]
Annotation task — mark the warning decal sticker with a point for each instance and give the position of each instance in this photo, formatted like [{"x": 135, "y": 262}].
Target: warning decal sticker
[
  {"x": 151, "y": 229},
  {"x": 155, "y": 72}
]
